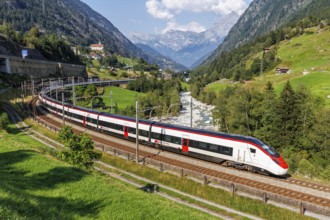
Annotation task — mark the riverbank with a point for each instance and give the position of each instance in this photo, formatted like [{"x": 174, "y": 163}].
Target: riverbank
[{"x": 201, "y": 114}]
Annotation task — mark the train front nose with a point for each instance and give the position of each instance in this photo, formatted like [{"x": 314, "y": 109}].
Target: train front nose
[
  {"x": 282, "y": 163},
  {"x": 282, "y": 166}
]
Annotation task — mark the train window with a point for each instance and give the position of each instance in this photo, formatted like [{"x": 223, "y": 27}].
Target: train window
[
  {"x": 202, "y": 145},
  {"x": 176, "y": 140},
  {"x": 79, "y": 117},
  {"x": 155, "y": 135},
  {"x": 131, "y": 130},
  {"x": 227, "y": 151},
  {"x": 167, "y": 138},
  {"x": 270, "y": 150},
  {"x": 143, "y": 133},
  {"x": 102, "y": 123},
  {"x": 214, "y": 147},
  {"x": 267, "y": 148},
  {"x": 253, "y": 150},
  {"x": 192, "y": 143},
  {"x": 185, "y": 142}
]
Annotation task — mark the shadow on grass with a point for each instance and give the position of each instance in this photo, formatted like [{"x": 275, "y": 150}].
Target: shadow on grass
[
  {"x": 19, "y": 200},
  {"x": 13, "y": 130}
]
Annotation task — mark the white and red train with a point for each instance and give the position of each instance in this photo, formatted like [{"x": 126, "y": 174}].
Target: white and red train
[{"x": 232, "y": 150}]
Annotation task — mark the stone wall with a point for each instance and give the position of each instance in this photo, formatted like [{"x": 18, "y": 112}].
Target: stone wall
[{"x": 39, "y": 68}]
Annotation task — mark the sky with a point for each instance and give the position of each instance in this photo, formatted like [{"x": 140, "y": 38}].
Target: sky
[{"x": 159, "y": 16}]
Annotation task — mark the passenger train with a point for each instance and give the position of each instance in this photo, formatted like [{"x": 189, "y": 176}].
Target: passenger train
[{"x": 230, "y": 150}]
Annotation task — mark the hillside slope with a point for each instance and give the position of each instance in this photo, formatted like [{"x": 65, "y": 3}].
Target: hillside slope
[
  {"x": 261, "y": 17},
  {"x": 306, "y": 56},
  {"x": 71, "y": 19}
]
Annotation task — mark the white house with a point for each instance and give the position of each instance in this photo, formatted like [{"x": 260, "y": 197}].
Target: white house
[{"x": 97, "y": 47}]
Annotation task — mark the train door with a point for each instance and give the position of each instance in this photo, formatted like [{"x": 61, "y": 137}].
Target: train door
[
  {"x": 185, "y": 144},
  {"x": 84, "y": 121},
  {"x": 248, "y": 156},
  {"x": 126, "y": 131},
  {"x": 244, "y": 155},
  {"x": 254, "y": 156},
  {"x": 241, "y": 155}
]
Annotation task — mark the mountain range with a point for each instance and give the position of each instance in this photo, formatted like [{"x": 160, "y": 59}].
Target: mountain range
[
  {"x": 264, "y": 24},
  {"x": 187, "y": 47},
  {"x": 80, "y": 25},
  {"x": 261, "y": 17},
  {"x": 76, "y": 22}
]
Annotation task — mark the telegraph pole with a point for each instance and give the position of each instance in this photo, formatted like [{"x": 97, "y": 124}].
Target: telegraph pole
[
  {"x": 111, "y": 101},
  {"x": 73, "y": 92},
  {"x": 32, "y": 87},
  {"x": 137, "y": 132},
  {"x": 262, "y": 64},
  {"x": 191, "y": 112},
  {"x": 63, "y": 122}
]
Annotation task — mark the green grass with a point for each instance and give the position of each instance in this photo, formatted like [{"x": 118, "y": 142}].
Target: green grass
[
  {"x": 31, "y": 179},
  {"x": 122, "y": 97},
  {"x": 310, "y": 53},
  {"x": 317, "y": 82},
  {"x": 127, "y": 61},
  {"x": 307, "y": 52},
  {"x": 36, "y": 186},
  {"x": 217, "y": 86},
  {"x": 219, "y": 196},
  {"x": 185, "y": 86},
  {"x": 106, "y": 74}
]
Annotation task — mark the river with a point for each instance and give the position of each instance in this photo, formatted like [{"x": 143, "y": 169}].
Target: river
[{"x": 202, "y": 114}]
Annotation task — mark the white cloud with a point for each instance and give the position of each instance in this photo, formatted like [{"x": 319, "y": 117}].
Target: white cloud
[
  {"x": 192, "y": 26},
  {"x": 168, "y": 9},
  {"x": 165, "y": 9},
  {"x": 157, "y": 10}
]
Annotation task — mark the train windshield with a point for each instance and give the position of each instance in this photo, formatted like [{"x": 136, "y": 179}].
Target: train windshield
[{"x": 269, "y": 149}]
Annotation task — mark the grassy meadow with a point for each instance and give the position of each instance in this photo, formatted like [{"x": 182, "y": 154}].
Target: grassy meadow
[
  {"x": 308, "y": 58},
  {"x": 318, "y": 83},
  {"x": 34, "y": 185},
  {"x": 121, "y": 96}
]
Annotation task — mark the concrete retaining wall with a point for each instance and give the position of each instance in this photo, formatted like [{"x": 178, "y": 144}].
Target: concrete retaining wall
[{"x": 39, "y": 68}]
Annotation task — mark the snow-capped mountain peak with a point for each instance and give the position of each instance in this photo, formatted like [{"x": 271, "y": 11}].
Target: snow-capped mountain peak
[{"x": 187, "y": 47}]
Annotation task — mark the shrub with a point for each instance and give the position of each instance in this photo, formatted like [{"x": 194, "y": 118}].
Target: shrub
[
  {"x": 4, "y": 121},
  {"x": 80, "y": 148}
]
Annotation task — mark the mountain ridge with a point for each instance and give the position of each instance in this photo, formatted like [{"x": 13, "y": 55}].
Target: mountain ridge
[
  {"x": 188, "y": 47},
  {"x": 71, "y": 19},
  {"x": 261, "y": 17}
]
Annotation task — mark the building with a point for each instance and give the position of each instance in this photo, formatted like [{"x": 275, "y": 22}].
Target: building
[
  {"x": 97, "y": 47},
  {"x": 280, "y": 71}
]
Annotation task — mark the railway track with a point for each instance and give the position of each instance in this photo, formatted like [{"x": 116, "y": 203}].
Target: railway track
[
  {"x": 300, "y": 197},
  {"x": 307, "y": 184}
]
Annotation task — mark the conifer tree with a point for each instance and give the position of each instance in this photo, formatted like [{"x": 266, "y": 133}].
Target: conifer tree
[{"x": 286, "y": 117}]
